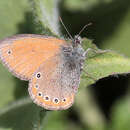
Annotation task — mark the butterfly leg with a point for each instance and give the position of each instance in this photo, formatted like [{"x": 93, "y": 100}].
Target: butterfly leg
[
  {"x": 99, "y": 51},
  {"x": 85, "y": 55}
]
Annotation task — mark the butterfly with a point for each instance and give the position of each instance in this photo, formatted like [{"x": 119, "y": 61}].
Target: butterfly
[{"x": 51, "y": 65}]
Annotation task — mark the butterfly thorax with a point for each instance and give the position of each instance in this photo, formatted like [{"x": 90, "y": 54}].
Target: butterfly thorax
[{"x": 74, "y": 54}]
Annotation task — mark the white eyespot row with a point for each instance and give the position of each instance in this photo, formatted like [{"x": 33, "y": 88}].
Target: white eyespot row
[
  {"x": 38, "y": 75},
  {"x": 47, "y": 98}
]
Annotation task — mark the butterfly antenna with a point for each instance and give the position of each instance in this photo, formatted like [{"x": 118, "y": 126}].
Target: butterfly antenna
[
  {"x": 65, "y": 28},
  {"x": 84, "y": 28}
]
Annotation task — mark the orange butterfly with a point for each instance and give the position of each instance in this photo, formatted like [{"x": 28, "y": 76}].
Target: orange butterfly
[{"x": 52, "y": 66}]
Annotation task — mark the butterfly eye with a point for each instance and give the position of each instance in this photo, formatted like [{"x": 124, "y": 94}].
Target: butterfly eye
[
  {"x": 38, "y": 75},
  {"x": 56, "y": 100},
  {"x": 9, "y": 52},
  {"x": 47, "y": 98},
  {"x": 39, "y": 94}
]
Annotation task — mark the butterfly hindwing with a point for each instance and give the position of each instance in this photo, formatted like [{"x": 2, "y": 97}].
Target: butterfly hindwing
[{"x": 54, "y": 84}]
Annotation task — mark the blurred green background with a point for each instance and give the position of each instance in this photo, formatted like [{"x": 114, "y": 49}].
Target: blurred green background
[{"x": 102, "y": 106}]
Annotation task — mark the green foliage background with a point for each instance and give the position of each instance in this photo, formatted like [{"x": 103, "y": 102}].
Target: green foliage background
[{"x": 110, "y": 30}]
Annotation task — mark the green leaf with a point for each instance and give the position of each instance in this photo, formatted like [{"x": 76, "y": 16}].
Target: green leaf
[
  {"x": 7, "y": 85},
  {"x": 121, "y": 115},
  {"x": 46, "y": 14},
  {"x": 119, "y": 38},
  {"x": 12, "y": 14},
  {"x": 56, "y": 119},
  {"x": 103, "y": 64},
  {"x": 88, "y": 110},
  {"x": 20, "y": 115},
  {"x": 84, "y": 5},
  {"x": 25, "y": 115}
]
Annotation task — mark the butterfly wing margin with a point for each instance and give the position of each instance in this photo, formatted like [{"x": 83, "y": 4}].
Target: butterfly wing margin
[
  {"x": 56, "y": 88},
  {"x": 23, "y": 54}
]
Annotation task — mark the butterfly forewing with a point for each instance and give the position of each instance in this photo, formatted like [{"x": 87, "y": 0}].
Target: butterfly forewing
[{"x": 23, "y": 54}]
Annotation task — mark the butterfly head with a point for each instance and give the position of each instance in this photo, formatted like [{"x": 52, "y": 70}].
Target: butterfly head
[{"x": 77, "y": 40}]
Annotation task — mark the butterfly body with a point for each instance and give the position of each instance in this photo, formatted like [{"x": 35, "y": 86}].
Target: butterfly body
[{"x": 51, "y": 65}]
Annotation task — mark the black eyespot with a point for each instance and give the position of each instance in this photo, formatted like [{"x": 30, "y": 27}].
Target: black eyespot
[
  {"x": 46, "y": 98},
  {"x": 56, "y": 100},
  {"x": 9, "y": 52},
  {"x": 38, "y": 75},
  {"x": 39, "y": 94},
  {"x": 64, "y": 100},
  {"x": 36, "y": 86}
]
